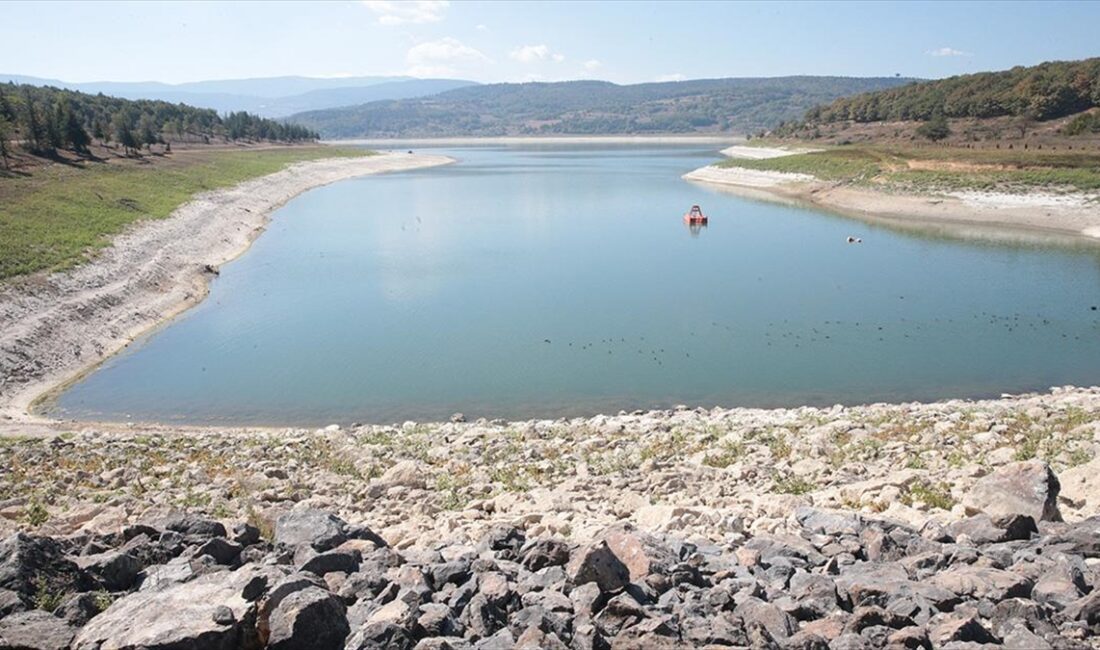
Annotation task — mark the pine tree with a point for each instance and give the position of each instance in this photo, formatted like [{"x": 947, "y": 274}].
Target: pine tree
[
  {"x": 35, "y": 133},
  {"x": 55, "y": 127},
  {"x": 124, "y": 133},
  {"x": 5, "y": 135},
  {"x": 147, "y": 131},
  {"x": 74, "y": 131}
]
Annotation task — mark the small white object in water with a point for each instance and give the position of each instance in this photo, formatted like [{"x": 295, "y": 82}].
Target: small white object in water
[{"x": 854, "y": 240}]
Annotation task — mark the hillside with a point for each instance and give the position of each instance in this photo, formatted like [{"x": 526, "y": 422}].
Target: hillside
[
  {"x": 44, "y": 121},
  {"x": 267, "y": 97},
  {"x": 1041, "y": 92},
  {"x": 593, "y": 107}
]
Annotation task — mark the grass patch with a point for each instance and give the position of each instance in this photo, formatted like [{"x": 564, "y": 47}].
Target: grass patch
[
  {"x": 935, "y": 495},
  {"x": 792, "y": 484},
  {"x": 46, "y": 598},
  {"x": 60, "y": 215}
]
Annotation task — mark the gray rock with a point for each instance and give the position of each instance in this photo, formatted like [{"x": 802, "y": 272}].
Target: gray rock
[
  {"x": 78, "y": 609},
  {"x": 193, "y": 525},
  {"x": 310, "y": 619},
  {"x": 245, "y": 534},
  {"x": 815, "y": 594},
  {"x": 946, "y": 628},
  {"x": 1026, "y": 488},
  {"x": 380, "y": 636},
  {"x": 982, "y": 529},
  {"x": 1060, "y": 584},
  {"x": 437, "y": 620},
  {"x": 10, "y": 603},
  {"x": 828, "y": 522},
  {"x": 342, "y": 560},
  {"x": 778, "y": 623},
  {"x": 909, "y": 638},
  {"x": 221, "y": 550},
  {"x": 542, "y": 553},
  {"x": 444, "y": 643},
  {"x": 982, "y": 583},
  {"x": 30, "y": 564},
  {"x": 456, "y": 572},
  {"x": 502, "y": 640},
  {"x": 310, "y": 527},
  {"x": 35, "y": 630},
  {"x": 138, "y": 621},
  {"x": 505, "y": 541},
  {"x": 597, "y": 563}
]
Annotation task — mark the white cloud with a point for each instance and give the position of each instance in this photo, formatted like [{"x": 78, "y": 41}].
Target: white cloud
[
  {"x": 482, "y": 28},
  {"x": 397, "y": 12},
  {"x": 535, "y": 53},
  {"x": 675, "y": 76},
  {"x": 592, "y": 65},
  {"x": 439, "y": 58},
  {"x": 948, "y": 51}
]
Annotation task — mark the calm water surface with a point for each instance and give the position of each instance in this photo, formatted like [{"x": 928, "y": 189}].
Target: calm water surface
[{"x": 546, "y": 281}]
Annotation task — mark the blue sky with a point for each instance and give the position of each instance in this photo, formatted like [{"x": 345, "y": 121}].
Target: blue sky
[{"x": 502, "y": 41}]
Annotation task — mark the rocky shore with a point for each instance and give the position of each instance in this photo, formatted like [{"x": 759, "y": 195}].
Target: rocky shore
[
  {"x": 1012, "y": 575},
  {"x": 916, "y": 525}
]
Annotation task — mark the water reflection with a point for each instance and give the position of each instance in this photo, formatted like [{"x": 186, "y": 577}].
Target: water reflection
[{"x": 695, "y": 228}]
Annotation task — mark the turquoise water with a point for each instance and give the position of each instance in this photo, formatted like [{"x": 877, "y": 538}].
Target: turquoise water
[{"x": 549, "y": 281}]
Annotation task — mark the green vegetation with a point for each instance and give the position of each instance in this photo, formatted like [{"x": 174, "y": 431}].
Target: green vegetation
[
  {"x": 45, "y": 597},
  {"x": 49, "y": 119},
  {"x": 935, "y": 495},
  {"x": 36, "y": 513},
  {"x": 54, "y": 218},
  {"x": 935, "y": 129},
  {"x": 592, "y": 107},
  {"x": 792, "y": 484},
  {"x": 1041, "y": 92},
  {"x": 941, "y": 168},
  {"x": 1083, "y": 123}
]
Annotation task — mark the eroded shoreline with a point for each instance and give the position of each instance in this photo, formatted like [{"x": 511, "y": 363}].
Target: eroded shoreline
[
  {"x": 969, "y": 213},
  {"x": 56, "y": 327}
]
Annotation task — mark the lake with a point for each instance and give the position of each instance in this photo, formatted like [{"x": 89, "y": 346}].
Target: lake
[{"x": 559, "y": 280}]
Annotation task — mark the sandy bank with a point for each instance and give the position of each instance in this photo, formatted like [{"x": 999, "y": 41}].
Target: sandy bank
[
  {"x": 763, "y": 153},
  {"x": 54, "y": 327},
  {"x": 562, "y": 139},
  {"x": 1075, "y": 214}
]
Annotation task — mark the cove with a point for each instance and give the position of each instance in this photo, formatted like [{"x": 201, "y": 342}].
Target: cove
[{"x": 559, "y": 280}]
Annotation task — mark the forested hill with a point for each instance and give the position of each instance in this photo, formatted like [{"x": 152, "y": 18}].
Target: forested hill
[
  {"x": 48, "y": 119},
  {"x": 1041, "y": 92},
  {"x": 593, "y": 107}
]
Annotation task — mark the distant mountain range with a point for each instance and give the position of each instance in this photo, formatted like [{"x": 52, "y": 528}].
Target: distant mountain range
[
  {"x": 742, "y": 105},
  {"x": 268, "y": 97}
]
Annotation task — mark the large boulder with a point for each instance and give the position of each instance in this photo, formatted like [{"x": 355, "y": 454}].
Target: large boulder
[
  {"x": 207, "y": 613},
  {"x": 30, "y": 565},
  {"x": 642, "y": 553},
  {"x": 35, "y": 630},
  {"x": 1026, "y": 488},
  {"x": 310, "y": 619},
  {"x": 1081, "y": 487},
  {"x": 597, "y": 563},
  {"x": 312, "y": 527},
  {"x": 193, "y": 525},
  {"x": 117, "y": 571}
]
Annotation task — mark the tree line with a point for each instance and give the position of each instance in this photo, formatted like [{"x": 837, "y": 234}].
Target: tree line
[
  {"x": 1042, "y": 92},
  {"x": 46, "y": 119}
]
